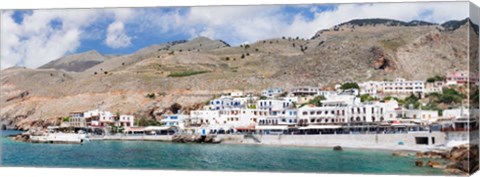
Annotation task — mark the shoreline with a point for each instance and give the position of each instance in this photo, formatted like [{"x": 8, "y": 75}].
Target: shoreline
[
  {"x": 385, "y": 142},
  {"x": 426, "y": 157}
]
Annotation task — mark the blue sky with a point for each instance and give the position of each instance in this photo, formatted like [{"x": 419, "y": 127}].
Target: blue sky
[
  {"x": 33, "y": 38},
  {"x": 150, "y": 36}
]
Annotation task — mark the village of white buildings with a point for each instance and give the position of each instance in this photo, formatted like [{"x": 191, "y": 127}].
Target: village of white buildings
[{"x": 368, "y": 107}]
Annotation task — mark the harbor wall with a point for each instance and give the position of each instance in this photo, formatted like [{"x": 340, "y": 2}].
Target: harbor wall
[
  {"x": 133, "y": 138},
  {"x": 404, "y": 141}
]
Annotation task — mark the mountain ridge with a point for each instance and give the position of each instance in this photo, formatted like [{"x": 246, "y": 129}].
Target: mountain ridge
[{"x": 121, "y": 83}]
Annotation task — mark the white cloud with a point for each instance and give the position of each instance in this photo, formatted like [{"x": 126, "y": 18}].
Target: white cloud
[
  {"x": 116, "y": 36},
  {"x": 237, "y": 24},
  {"x": 35, "y": 41}
]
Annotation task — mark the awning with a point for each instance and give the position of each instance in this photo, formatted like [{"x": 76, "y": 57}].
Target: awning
[
  {"x": 252, "y": 127},
  {"x": 134, "y": 129},
  {"x": 271, "y": 127},
  {"x": 404, "y": 125},
  {"x": 218, "y": 127},
  {"x": 320, "y": 127},
  {"x": 154, "y": 128}
]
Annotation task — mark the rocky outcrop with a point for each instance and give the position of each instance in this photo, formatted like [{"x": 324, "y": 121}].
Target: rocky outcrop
[
  {"x": 337, "y": 148},
  {"x": 381, "y": 60},
  {"x": 195, "y": 139},
  {"x": 460, "y": 160},
  {"x": 19, "y": 96},
  {"x": 431, "y": 155},
  {"x": 464, "y": 158},
  {"x": 419, "y": 163},
  {"x": 402, "y": 153}
]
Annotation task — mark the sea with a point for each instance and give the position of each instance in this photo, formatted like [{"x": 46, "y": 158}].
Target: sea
[{"x": 208, "y": 157}]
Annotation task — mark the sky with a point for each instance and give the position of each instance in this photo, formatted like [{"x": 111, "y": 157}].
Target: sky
[{"x": 32, "y": 38}]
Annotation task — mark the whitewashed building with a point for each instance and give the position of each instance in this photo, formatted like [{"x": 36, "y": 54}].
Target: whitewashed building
[
  {"x": 226, "y": 102},
  {"x": 456, "y": 113},
  {"x": 304, "y": 91},
  {"x": 203, "y": 117},
  {"x": 273, "y": 105},
  {"x": 272, "y": 92},
  {"x": 77, "y": 119},
  {"x": 176, "y": 120},
  {"x": 100, "y": 118},
  {"x": 371, "y": 88},
  {"x": 236, "y": 93},
  {"x": 424, "y": 115},
  {"x": 126, "y": 120},
  {"x": 326, "y": 93},
  {"x": 246, "y": 101},
  {"x": 402, "y": 87},
  {"x": 434, "y": 87},
  {"x": 347, "y": 109},
  {"x": 457, "y": 78},
  {"x": 241, "y": 119}
]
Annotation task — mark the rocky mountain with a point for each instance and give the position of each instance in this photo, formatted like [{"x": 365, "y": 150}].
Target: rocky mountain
[
  {"x": 192, "y": 72},
  {"x": 76, "y": 63},
  {"x": 386, "y": 22}
]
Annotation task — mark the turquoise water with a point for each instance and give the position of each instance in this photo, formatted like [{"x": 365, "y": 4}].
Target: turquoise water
[{"x": 211, "y": 157}]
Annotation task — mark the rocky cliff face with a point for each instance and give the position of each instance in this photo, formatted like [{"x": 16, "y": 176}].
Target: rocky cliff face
[{"x": 371, "y": 51}]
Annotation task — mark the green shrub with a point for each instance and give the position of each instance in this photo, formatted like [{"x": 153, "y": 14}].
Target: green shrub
[
  {"x": 350, "y": 85},
  {"x": 146, "y": 122},
  {"x": 186, "y": 73},
  {"x": 435, "y": 78},
  {"x": 317, "y": 101},
  {"x": 367, "y": 97},
  {"x": 450, "y": 96},
  {"x": 66, "y": 119},
  {"x": 150, "y": 95}
]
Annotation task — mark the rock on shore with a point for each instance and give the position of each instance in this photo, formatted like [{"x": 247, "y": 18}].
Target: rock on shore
[
  {"x": 22, "y": 137},
  {"x": 337, "y": 148},
  {"x": 194, "y": 139},
  {"x": 460, "y": 160}
]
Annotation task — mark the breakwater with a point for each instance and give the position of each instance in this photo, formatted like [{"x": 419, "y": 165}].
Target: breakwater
[{"x": 420, "y": 141}]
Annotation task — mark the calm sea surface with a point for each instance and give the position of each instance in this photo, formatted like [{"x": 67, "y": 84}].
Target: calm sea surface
[{"x": 220, "y": 157}]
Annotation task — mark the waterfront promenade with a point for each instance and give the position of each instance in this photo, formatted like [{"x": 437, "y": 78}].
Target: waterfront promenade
[{"x": 415, "y": 141}]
